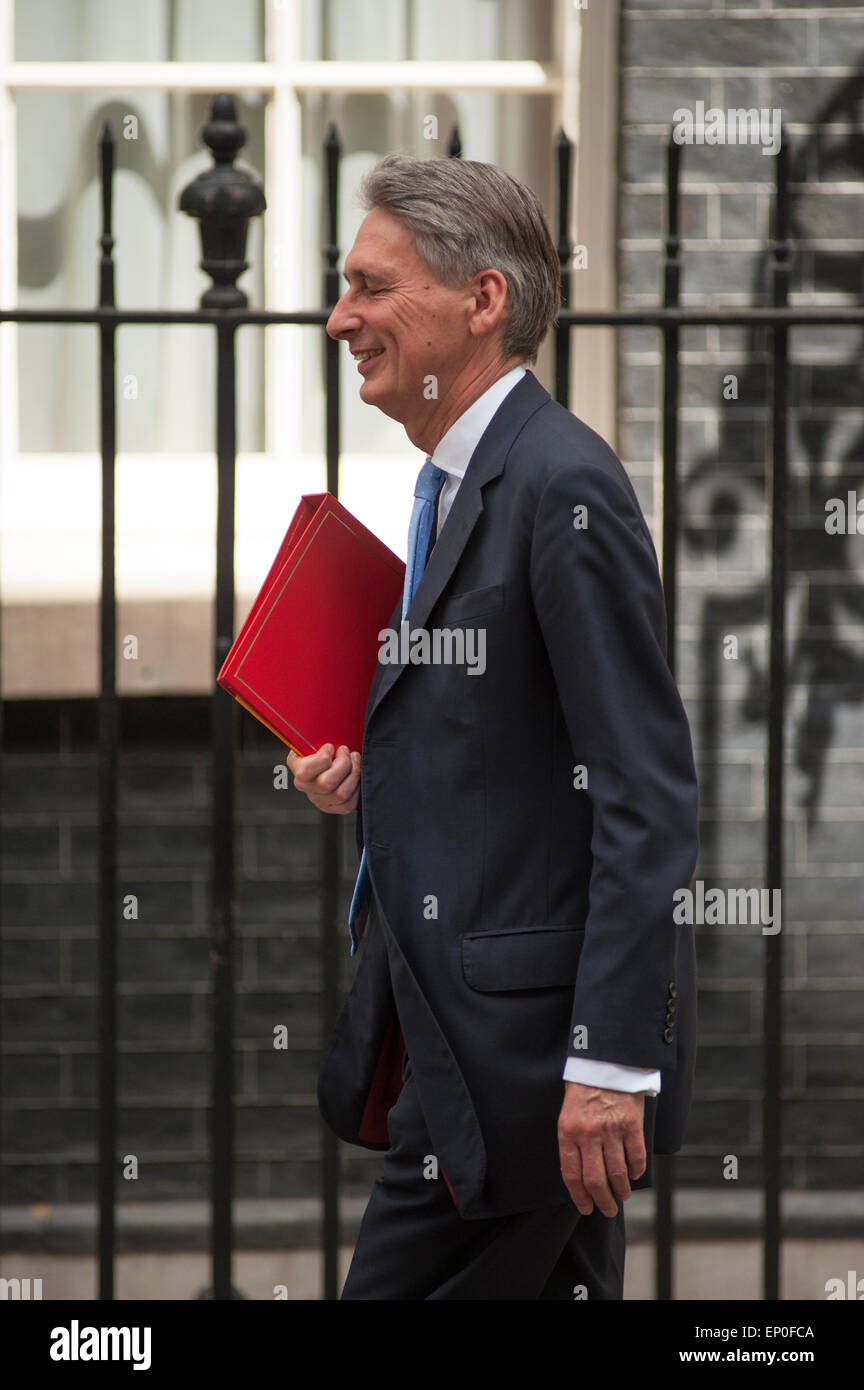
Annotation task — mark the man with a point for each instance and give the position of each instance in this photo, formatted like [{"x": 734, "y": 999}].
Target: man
[{"x": 519, "y": 1036}]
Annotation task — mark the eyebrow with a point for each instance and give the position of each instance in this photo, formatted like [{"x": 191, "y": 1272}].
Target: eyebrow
[{"x": 364, "y": 274}]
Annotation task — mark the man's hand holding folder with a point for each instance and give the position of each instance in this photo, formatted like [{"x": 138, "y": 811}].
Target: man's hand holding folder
[{"x": 330, "y": 778}]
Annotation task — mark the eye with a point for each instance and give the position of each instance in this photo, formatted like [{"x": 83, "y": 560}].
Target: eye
[{"x": 377, "y": 291}]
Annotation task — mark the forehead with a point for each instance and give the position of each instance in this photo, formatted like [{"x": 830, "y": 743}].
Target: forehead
[{"x": 383, "y": 246}]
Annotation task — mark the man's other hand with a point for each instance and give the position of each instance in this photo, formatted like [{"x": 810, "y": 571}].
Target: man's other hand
[
  {"x": 601, "y": 1145},
  {"x": 330, "y": 779}
]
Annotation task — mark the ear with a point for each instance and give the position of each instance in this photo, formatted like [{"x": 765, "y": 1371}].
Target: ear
[{"x": 491, "y": 303}]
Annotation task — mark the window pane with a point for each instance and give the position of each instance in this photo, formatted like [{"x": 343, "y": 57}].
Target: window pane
[
  {"x": 426, "y": 30},
  {"x": 131, "y": 31},
  {"x": 161, "y": 369}
]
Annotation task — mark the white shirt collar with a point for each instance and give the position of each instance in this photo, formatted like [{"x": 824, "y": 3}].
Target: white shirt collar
[{"x": 453, "y": 451}]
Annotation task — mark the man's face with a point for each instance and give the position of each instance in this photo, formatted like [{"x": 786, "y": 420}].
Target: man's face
[{"x": 396, "y": 307}]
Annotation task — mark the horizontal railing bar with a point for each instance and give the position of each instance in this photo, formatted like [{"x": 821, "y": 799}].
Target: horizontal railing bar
[
  {"x": 851, "y": 316},
  {"x": 519, "y": 76}
]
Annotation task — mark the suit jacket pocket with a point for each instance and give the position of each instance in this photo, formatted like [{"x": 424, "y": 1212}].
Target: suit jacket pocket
[
  {"x": 458, "y": 608},
  {"x": 524, "y": 958}
]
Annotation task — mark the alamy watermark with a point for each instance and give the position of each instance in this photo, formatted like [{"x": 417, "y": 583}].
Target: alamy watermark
[
  {"x": 20, "y": 1288},
  {"x": 720, "y": 907},
  {"x": 736, "y": 126},
  {"x": 845, "y": 517},
  {"x": 77, "y": 1343},
  {"x": 852, "y": 1287},
  {"x": 438, "y": 646}
]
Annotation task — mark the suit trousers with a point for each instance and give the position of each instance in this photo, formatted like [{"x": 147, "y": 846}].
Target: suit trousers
[{"x": 413, "y": 1244}]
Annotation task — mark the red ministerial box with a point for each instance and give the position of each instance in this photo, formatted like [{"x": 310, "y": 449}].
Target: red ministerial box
[{"x": 304, "y": 659}]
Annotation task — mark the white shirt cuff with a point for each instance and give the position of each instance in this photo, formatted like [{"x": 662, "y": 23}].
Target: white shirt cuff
[{"x": 611, "y": 1076}]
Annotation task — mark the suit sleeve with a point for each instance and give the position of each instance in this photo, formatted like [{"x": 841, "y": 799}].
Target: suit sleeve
[{"x": 599, "y": 602}]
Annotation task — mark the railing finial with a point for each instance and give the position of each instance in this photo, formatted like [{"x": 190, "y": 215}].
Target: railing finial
[{"x": 223, "y": 198}]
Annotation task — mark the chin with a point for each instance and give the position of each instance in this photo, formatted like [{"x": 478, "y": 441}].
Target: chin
[
  {"x": 367, "y": 394},
  {"x": 372, "y": 396}
]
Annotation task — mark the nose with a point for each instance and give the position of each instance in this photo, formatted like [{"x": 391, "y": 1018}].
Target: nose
[{"x": 343, "y": 319}]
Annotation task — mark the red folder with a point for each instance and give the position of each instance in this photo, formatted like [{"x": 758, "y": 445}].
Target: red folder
[{"x": 304, "y": 659}]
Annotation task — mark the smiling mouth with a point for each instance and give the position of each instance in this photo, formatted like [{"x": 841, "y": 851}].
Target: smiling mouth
[{"x": 367, "y": 356}]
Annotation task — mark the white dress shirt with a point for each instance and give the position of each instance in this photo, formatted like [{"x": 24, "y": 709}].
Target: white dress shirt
[{"x": 452, "y": 455}]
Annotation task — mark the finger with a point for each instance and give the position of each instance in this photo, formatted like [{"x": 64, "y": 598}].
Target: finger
[
  {"x": 594, "y": 1177},
  {"x": 332, "y": 776},
  {"x": 340, "y": 798},
  {"x": 571, "y": 1173},
  {"x": 308, "y": 768},
  {"x": 616, "y": 1169},
  {"x": 580, "y": 1197},
  {"x": 333, "y": 806},
  {"x": 634, "y": 1146},
  {"x": 348, "y": 787},
  {"x": 329, "y": 795}
]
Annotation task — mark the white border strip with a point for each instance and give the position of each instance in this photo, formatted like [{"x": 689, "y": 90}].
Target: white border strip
[{"x": 525, "y": 77}]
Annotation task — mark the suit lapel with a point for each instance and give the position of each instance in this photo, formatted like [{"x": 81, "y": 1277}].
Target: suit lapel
[{"x": 486, "y": 463}]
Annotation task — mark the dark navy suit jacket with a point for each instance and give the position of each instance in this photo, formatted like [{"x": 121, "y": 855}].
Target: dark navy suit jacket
[{"x": 519, "y": 919}]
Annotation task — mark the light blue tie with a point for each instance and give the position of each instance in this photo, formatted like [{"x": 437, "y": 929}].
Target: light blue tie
[{"x": 428, "y": 486}]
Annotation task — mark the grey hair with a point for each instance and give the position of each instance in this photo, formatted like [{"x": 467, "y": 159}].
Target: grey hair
[{"x": 465, "y": 217}]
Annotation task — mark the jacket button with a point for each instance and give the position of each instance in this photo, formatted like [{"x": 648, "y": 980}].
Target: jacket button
[
  {"x": 670, "y": 1012},
  {"x": 673, "y": 989},
  {"x": 668, "y": 1034}
]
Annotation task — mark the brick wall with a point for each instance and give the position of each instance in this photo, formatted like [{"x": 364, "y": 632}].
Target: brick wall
[
  {"x": 50, "y": 959},
  {"x": 800, "y": 60}
]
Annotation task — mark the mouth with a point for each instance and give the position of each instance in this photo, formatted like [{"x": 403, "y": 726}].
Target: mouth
[{"x": 364, "y": 358}]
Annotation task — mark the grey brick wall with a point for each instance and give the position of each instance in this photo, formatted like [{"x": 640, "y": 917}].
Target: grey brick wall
[
  {"x": 50, "y": 960},
  {"x": 806, "y": 61}
]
